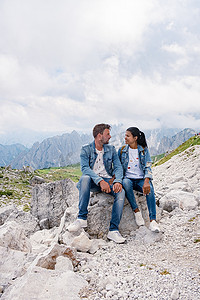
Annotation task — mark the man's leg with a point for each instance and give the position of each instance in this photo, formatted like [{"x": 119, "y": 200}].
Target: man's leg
[
  {"x": 117, "y": 210},
  {"x": 85, "y": 184}
]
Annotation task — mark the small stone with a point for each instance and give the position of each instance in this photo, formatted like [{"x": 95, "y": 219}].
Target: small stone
[
  {"x": 109, "y": 287},
  {"x": 175, "y": 294}
]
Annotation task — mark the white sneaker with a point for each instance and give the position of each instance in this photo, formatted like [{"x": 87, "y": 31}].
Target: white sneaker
[
  {"x": 78, "y": 224},
  {"x": 139, "y": 219},
  {"x": 116, "y": 237},
  {"x": 154, "y": 226}
]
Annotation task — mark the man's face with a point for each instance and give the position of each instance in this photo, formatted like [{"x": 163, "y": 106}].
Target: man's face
[{"x": 105, "y": 137}]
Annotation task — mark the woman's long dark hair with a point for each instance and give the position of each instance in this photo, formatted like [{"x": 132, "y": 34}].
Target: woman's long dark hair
[{"x": 141, "y": 140}]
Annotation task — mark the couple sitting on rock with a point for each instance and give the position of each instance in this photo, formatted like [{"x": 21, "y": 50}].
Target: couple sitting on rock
[{"x": 118, "y": 175}]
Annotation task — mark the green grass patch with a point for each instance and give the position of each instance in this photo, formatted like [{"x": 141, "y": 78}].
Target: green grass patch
[
  {"x": 165, "y": 272},
  {"x": 195, "y": 140},
  {"x": 191, "y": 220},
  {"x": 156, "y": 158},
  {"x": 52, "y": 174},
  {"x": 26, "y": 207},
  {"x": 6, "y": 193},
  {"x": 197, "y": 240}
]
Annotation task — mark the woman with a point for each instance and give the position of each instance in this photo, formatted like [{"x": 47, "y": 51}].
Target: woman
[{"x": 136, "y": 163}]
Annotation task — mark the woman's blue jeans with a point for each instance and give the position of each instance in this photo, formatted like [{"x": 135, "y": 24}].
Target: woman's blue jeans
[
  {"x": 130, "y": 184},
  {"x": 87, "y": 185}
]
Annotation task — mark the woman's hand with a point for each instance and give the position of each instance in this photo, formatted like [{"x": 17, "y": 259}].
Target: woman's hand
[{"x": 146, "y": 187}]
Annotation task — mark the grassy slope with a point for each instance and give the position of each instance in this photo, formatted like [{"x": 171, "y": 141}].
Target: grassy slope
[
  {"x": 52, "y": 174},
  {"x": 195, "y": 140}
]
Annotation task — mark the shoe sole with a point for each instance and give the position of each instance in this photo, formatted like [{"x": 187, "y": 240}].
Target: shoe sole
[{"x": 117, "y": 242}]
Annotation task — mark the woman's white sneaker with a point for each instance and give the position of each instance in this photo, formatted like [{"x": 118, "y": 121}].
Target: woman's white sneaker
[
  {"x": 78, "y": 224},
  {"x": 139, "y": 219},
  {"x": 154, "y": 226},
  {"x": 116, "y": 237}
]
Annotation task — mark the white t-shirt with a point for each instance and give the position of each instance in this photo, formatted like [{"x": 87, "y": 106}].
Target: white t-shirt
[
  {"x": 99, "y": 167},
  {"x": 134, "y": 170}
]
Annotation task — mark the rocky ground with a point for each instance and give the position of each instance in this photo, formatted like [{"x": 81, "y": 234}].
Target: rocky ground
[{"x": 148, "y": 266}]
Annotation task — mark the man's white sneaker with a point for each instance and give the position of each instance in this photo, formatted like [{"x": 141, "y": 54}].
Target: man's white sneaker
[
  {"x": 78, "y": 224},
  {"x": 154, "y": 226},
  {"x": 116, "y": 237},
  {"x": 139, "y": 219}
]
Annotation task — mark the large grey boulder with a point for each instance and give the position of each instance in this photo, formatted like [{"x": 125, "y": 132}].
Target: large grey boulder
[
  {"x": 100, "y": 210},
  {"x": 181, "y": 199},
  {"x": 53, "y": 200},
  {"x": 50, "y": 200}
]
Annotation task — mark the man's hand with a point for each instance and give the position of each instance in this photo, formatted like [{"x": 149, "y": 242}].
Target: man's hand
[
  {"x": 104, "y": 186},
  {"x": 117, "y": 187},
  {"x": 146, "y": 187}
]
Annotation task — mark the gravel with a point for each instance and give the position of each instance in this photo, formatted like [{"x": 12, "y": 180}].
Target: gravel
[{"x": 162, "y": 266}]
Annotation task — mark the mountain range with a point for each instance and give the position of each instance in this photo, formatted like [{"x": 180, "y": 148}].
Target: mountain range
[{"x": 63, "y": 150}]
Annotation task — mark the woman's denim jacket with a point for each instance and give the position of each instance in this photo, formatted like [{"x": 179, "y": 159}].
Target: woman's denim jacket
[
  {"x": 110, "y": 159},
  {"x": 144, "y": 158}
]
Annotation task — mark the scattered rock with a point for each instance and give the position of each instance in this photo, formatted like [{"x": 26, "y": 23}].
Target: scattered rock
[
  {"x": 82, "y": 243},
  {"x": 13, "y": 236}
]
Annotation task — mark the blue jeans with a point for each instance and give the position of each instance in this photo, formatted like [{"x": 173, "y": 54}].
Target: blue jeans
[
  {"x": 130, "y": 184},
  {"x": 85, "y": 185}
]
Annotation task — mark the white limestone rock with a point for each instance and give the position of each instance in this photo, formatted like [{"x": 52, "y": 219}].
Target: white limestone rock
[
  {"x": 81, "y": 243},
  {"x": 45, "y": 284},
  {"x": 63, "y": 264},
  {"x": 12, "y": 235},
  {"x": 5, "y": 212},
  {"x": 12, "y": 264},
  {"x": 183, "y": 200}
]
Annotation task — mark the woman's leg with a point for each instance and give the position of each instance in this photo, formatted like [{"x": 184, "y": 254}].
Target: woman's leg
[{"x": 151, "y": 201}]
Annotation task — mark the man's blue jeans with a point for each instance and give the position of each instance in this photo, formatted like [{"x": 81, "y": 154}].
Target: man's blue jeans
[
  {"x": 87, "y": 185},
  {"x": 130, "y": 184}
]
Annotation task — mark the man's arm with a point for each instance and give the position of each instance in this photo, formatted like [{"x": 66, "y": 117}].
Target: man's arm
[
  {"x": 118, "y": 170},
  {"x": 85, "y": 167}
]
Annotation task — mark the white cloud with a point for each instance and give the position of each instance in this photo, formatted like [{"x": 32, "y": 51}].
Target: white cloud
[{"x": 69, "y": 64}]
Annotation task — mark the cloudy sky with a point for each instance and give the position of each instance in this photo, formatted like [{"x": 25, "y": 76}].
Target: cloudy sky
[{"x": 69, "y": 64}]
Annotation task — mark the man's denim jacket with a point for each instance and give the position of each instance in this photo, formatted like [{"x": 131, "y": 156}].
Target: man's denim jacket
[
  {"x": 144, "y": 158},
  {"x": 110, "y": 158}
]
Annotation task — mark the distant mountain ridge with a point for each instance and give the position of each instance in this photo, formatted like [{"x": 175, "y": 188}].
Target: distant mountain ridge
[
  {"x": 63, "y": 150},
  {"x": 157, "y": 140},
  {"x": 10, "y": 152},
  {"x": 58, "y": 151}
]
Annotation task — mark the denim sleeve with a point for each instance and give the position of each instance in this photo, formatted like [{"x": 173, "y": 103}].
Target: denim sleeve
[
  {"x": 119, "y": 153},
  {"x": 85, "y": 166},
  {"x": 118, "y": 170},
  {"x": 148, "y": 164}
]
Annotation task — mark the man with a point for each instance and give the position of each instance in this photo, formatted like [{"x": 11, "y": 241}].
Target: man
[{"x": 101, "y": 171}]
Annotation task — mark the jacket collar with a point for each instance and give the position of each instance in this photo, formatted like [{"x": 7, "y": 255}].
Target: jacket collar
[
  {"x": 140, "y": 148},
  {"x": 105, "y": 147}
]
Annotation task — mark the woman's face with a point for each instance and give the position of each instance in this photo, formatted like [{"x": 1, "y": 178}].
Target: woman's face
[{"x": 129, "y": 138}]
